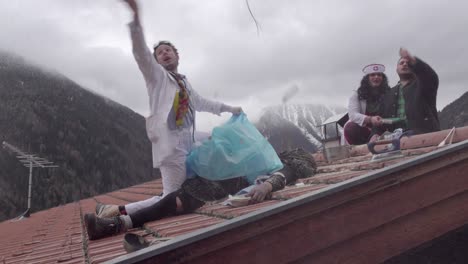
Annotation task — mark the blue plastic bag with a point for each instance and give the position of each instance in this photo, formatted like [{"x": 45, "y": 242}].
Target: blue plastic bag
[{"x": 235, "y": 149}]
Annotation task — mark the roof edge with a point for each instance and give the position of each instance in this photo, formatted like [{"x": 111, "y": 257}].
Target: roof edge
[{"x": 204, "y": 233}]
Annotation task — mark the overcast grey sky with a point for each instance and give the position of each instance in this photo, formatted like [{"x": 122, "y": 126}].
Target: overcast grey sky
[{"x": 320, "y": 46}]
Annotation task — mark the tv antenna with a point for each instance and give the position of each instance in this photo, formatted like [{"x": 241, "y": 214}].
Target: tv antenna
[{"x": 29, "y": 161}]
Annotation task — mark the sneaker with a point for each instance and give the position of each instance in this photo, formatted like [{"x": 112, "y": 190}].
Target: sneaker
[
  {"x": 107, "y": 210},
  {"x": 102, "y": 227},
  {"x": 134, "y": 242}
]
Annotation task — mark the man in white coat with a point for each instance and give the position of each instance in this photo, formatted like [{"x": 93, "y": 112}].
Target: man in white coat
[
  {"x": 365, "y": 105},
  {"x": 173, "y": 103}
]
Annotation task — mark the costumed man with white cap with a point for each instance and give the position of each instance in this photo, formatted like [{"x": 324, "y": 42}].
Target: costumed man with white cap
[{"x": 365, "y": 106}]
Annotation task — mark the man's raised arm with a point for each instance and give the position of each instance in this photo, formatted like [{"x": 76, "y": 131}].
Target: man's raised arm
[
  {"x": 143, "y": 56},
  {"x": 427, "y": 77}
]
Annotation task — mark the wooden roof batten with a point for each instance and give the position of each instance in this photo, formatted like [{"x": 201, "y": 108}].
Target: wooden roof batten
[{"x": 393, "y": 209}]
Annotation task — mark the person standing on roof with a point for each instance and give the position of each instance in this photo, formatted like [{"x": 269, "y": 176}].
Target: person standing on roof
[
  {"x": 173, "y": 103},
  {"x": 365, "y": 106},
  {"x": 411, "y": 104}
]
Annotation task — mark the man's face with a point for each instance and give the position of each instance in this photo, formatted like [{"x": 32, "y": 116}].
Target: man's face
[
  {"x": 403, "y": 67},
  {"x": 375, "y": 79},
  {"x": 166, "y": 56}
]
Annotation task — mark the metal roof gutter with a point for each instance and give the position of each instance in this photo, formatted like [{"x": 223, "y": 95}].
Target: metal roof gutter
[{"x": 184, "y": 240}]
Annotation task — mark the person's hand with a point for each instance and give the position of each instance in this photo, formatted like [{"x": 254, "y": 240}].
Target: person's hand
[
  {"x": 404, "y": 53},
  {"x": 236, "y": 110},
  {"x": 374, "y": 138},
  {"x": 133, "y": 5},
  {"x": 259, "y": 192},
  {"x": 376, "y": 121}
]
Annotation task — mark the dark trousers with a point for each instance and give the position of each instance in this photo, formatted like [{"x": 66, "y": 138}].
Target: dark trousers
[
  {"x": 193, "y": 194},
  {"x": 356, "y": 134}
]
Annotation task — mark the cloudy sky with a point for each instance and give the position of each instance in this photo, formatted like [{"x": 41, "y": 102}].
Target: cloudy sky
[{"x": 318, "y": 46}]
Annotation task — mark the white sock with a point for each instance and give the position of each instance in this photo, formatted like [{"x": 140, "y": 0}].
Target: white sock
[{"x": 127, "y": 221}]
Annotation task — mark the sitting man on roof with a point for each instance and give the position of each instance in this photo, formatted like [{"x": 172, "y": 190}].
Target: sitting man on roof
[
  {"x": 365, "y": 106},
  {"x": 196, "y": 191},
  {"x": 411, "y": 104}
]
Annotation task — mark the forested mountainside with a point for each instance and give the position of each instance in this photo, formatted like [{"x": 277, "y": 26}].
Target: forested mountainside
[
  {"x": 455, "y": 114},
  {"x": 98, "y": 144}
]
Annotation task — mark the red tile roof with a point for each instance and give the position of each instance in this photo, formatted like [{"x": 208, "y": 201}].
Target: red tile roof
[{"x": 57, "y": 235}]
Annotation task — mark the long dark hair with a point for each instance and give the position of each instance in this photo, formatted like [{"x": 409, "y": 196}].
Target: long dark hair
[{"x": 364, "y": 91}]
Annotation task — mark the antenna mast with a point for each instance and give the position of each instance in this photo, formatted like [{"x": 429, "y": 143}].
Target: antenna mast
[{"x": 29, "y": 161}]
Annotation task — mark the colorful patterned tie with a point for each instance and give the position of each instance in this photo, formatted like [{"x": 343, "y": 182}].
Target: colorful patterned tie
[{"x": 181, "y": 101}]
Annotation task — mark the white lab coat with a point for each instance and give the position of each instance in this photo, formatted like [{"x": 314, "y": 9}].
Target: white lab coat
[
  {"x": 356, "y": 109},
  {"x": 356, "y": 113},
  {"x": 161, "y": 91}
]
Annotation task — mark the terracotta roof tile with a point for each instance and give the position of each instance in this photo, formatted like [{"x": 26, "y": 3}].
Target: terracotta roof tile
[
  {"x": 57, "y": 235},
  {"x": 88, "y": 205},
  {"x": 50, "y": 236},
  {"x": 150, "y": 184},
  {"x": 231, "y": 212},
  {"x": 107, "y": 199},
  {"x": 295, "y": 191},
  {"x": 130, "y": 197},
  {"x": 108, "y": 248},
  {"x": 147, "y": 191},
  {"x": 334, "y": 177},
  {"x": 178, "y": 225}
]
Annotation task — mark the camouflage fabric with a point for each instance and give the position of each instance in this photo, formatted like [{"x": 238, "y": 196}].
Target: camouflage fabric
[
  {"x": 278, "y": 181},
  {"x": 300, "y": 162},
  {"x": 207, "y": 191},
  {"x": 297, "y": 164}
]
